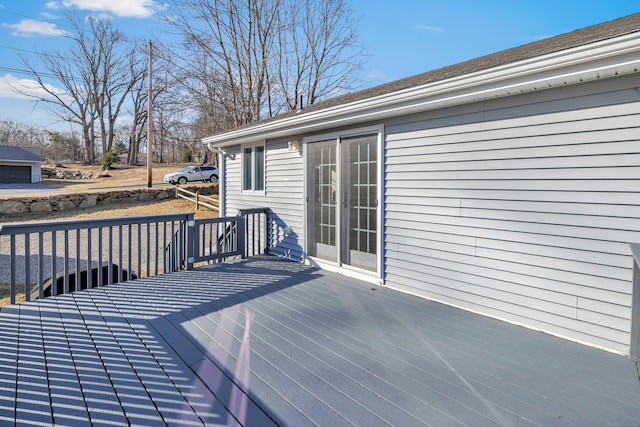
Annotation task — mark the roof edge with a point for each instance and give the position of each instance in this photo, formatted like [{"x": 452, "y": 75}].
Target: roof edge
[{"x": 602, "y": 59}]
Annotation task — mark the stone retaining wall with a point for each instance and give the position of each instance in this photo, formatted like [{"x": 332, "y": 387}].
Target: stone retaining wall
[{"x": 68, "y": 202}]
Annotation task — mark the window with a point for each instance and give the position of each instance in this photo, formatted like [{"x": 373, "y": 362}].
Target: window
[{"x": 253, "y": 168}]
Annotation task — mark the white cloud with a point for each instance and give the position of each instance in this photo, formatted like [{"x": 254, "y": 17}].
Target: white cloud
[
  {"x": 33, "y": 27},
  {"x": 122, "y": 8},
  {"x": 15, "y": 88},
  {"x": 49, "y": 16},
  {"x": 429, "y": 28}
]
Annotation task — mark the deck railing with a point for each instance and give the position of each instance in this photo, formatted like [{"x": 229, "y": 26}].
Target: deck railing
[
  {"x": 217, "y": 239},
  {"x": 48, "y": 258}
]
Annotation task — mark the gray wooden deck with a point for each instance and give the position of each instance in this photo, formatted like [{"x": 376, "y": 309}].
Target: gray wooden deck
[{"x": 264, "y": 341}]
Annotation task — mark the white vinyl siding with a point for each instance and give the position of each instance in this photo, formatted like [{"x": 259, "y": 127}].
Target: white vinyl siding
[
  {"x": 283, "y": 195},
  {"x": 526, "y": 217}
]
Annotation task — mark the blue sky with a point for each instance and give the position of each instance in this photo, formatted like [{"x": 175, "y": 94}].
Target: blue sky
[{"x": 401, "y": 38}]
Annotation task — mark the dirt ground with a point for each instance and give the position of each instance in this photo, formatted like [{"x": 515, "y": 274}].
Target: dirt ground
[{"x": 121, "y": 176}]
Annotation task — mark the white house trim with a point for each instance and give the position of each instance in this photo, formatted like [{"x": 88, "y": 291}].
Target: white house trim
[
  {"x": 615, "y": 57},
  {"x": 378, "y": 275}
]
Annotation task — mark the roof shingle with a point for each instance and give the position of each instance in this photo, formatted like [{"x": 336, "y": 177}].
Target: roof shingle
[
  {"x": 19, "y": 154},
  {"x": 596, "y": 33}
]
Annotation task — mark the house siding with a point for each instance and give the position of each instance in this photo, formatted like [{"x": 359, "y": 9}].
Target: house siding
[
  {"x": 521, "y": 209},
  {"x": 283, "y": 195}
]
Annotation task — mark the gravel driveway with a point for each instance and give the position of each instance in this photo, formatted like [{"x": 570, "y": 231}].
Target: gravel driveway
[{"x": 26, "y": 189}]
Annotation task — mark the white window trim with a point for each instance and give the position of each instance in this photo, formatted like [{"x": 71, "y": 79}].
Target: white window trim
[{"x": 252, "y": 190}]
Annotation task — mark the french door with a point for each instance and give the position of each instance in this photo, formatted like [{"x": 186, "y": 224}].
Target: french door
[{"x": 342, "y": 179}]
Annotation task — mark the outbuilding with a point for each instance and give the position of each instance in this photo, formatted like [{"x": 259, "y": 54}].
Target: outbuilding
[
  {"x": 19, "y": 164},
  {"x": 508, "y": 185}
]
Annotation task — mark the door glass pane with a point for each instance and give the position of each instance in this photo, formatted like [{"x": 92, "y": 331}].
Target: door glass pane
[
  {"x": 360, "y": 206},
  {"x": 322, "y": 186}
]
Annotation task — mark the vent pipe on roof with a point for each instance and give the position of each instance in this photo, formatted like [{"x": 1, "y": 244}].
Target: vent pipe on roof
[{"x": 300, "y": 109}]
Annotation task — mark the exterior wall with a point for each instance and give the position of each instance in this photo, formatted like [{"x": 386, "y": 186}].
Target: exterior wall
[
  {"x": 36, "y": 173},
  {"x": 283, "y": 195},
  {"x": 521, "y": 209}
]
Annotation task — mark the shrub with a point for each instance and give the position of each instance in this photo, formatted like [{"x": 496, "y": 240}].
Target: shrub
[
  {"x": 109, "y": 159},
  {"x": 186, "y": 156}
]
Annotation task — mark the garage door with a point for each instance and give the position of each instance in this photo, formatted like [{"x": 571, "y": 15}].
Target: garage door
[{"x": 15, "y": 174}]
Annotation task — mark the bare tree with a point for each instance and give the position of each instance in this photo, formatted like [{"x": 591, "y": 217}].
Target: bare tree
[
  {"x": 317, "y": 52},
  {"x": 172, "y": 107},
  {"x": 95, "y": 75},
  {"x": 251, "y": 59},
  {"x": 74, "y": 103},
  {"x": 230, "y": 40},
  {"x": 22, "y": 135},
  {"x": 120, "y": 73},
  {"x": 137, "y": 126}
]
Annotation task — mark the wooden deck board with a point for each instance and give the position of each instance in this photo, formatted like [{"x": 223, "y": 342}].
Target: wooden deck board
[
  {"x": 358, "y": 360},
  {"x": 270, "y": 342},
  {"x": 368, "y": 356}
]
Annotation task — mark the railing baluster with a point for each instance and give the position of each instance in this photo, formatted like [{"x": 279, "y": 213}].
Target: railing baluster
[
  {"x": 201, "y": 249},
  {"x": 148, "y": 246},
  {"x": 40, "y": 265},
  {"x": 253, "y": 230},
  {"x": 89, "y": 259},
  {"x": 12, "y": 268},
  {"x": 129, "y": 254},
  {"x": 110, "y": 258},
  {"x": 119, "y": 253},
  {"x": 164, "y": 246},
  {"x": 66, "y": 263},
  {"x": 173, "y": 247},
  {"x": 156, "y": 255},
  {"x": 100, "y": 268},
  {"x": 139, "y": 258},
  {"x": 218, "y": 242},
  {"x": 27, "y": 267},
  {"x": 180, "y": 245},
  {"x": 54, "y": 256},
  {"x": 78, "y": 260}
]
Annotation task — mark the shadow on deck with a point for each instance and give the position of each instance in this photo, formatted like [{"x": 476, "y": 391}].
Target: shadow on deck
[{"x": 265, "y": 341}]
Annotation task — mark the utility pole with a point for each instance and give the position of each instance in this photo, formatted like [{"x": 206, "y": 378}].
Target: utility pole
[{"x": 150, "y": 122}]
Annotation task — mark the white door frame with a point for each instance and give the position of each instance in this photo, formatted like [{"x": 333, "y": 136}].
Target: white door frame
[{"x": 370, "y": 276}]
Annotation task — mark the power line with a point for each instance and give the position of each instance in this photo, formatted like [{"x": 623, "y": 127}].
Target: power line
[
  {"x": 27, "y": 72},
  {"x": 32, "y": 52},
  {"x": 19, "y": 50}
]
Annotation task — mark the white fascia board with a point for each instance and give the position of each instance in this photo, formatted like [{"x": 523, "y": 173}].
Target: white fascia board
[
  {"x": 608, "y": 58},
  {"x": 17, "y": 162}
]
